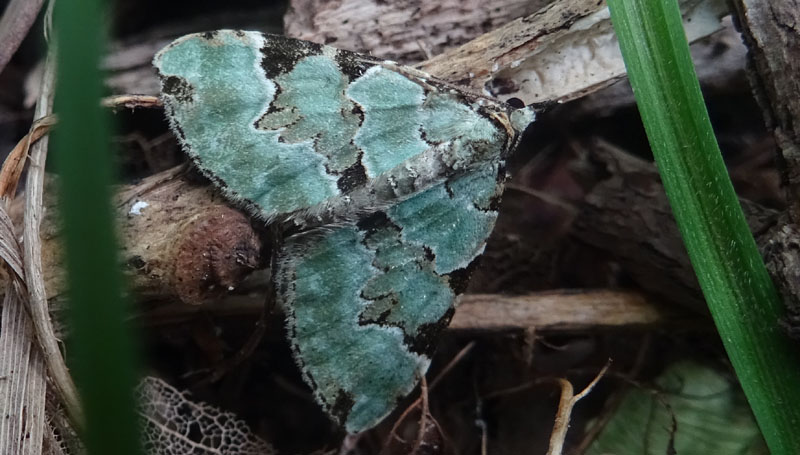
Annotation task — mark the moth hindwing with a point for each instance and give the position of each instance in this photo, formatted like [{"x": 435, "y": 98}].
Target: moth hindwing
[{"x": 392, "y": 176}]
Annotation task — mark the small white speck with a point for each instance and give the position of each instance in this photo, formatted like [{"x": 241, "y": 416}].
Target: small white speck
[
  {"x": 516, "y": 63},
  {"x": 471, "y": 75},
  {"x": 230, "y": 288},
  {"x": 136, "y": 208},
  {"x": 495, "y": 67}
]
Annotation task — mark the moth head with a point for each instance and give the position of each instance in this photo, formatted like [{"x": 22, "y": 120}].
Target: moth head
[{"x": 522, "y": 117}]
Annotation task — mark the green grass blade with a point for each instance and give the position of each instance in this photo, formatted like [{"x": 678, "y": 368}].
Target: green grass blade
[
  {"x": 740, "y": 295},
  {"x": 101, "y": 347}
]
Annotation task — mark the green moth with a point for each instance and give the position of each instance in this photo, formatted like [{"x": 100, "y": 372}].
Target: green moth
[{"x": 389, "y": 179}]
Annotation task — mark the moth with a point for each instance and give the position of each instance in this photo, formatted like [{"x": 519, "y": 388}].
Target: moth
[{"x": 389, "y": 179}]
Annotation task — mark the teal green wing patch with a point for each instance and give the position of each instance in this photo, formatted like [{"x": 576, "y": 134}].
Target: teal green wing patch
[
  {"x": 215, "y": 91},
  {"x": 366, "y": 302}
]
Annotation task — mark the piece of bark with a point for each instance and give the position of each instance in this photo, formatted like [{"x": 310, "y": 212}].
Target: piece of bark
[
  {"x": 782, "y": 257},
  {"x": 627, "y": 214},
  {"x": 771, "y": 31},
  {"x": 719, "y": 62},
  {"x": 562, "y": 52},
  {"x": 178, "y": 239},
  {"x": 406, "y": 31}
]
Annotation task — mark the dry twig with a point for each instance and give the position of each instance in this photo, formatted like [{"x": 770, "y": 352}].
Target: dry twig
[
  {"x": 131, "y": 101},
  {"x": 565, "y": 406},
  {"x": 14, "y": 26},
  {"x": 423, "y": 401}
]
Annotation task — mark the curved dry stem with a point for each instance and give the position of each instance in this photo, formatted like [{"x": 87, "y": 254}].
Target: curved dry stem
[{"x": 32, "y": 246}]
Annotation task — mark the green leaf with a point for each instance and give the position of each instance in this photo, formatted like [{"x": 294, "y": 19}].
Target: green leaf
[{"x": 693, "y": 409}]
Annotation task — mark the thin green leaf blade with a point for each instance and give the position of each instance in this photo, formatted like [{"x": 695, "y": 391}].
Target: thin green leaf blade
[
  {"x": 101, "y": 347},
  {"x": 739, "y": 292}
]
